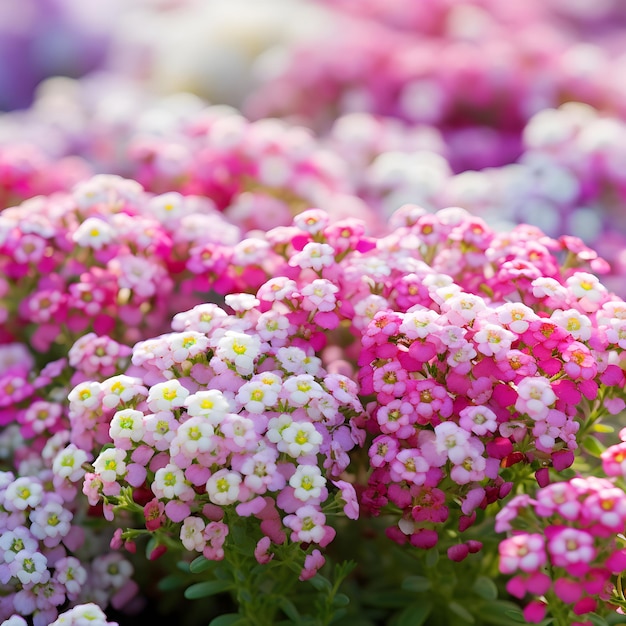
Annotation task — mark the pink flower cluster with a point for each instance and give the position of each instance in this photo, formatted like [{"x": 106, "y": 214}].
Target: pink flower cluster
[
  {"x": 563, "y": 546},
  {"x": 27, "y": 171},
  {"x": 103, "y": 258},
  {"x": 478, "y": 69},
  {"x": 475, "y": 370},
  {"x": 229, "y": 416}
]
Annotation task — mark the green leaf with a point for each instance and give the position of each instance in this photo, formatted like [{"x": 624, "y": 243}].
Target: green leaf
[
  {"x": 597, "y": 620},
  {"x": 499, "y": 613},
  {"x": 289, "y": 609},
  {"x": 485, "y": 588},
  {"x": 593, "y": 446},
  {"x": 416, "y": 583},
  {"x": 171, "y": 582},
  {"x": 200, "y": 564},
  {"x": 516, "y": 615},
  {"x": 415, "y": 614},
  {"x": 341, "y": 599},
  {"x": 321, "y": 583},
  {"x": 207, "y": 588},
  {"x": 228, "y": 619},
  {"x": 461, "y": 612},
  {"x": 338, "y": 614}
]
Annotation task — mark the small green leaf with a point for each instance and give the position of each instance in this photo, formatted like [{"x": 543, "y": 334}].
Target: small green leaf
[
  {"x": 461, "y": 612},
  {"x": 499, "y": 613},
  {"x": 415, "y": 614},
  {"x": 485, "y": 588},
  {"x": 207, "y": 588},
  {"x": 171, "y": 582},
  {"x": 321, "y": 583},
  {"x": 228, "y": 619},
  {"x": 416, "y": 583},
  {"x": 289, "y": 609},
  {"x": 597, "y": 620},
  {"x": 341, "y": 599},
  {"x": 516, "y": 615},
  {"x": 200, "y": 564},
  {"x": 593, "y": 446}
]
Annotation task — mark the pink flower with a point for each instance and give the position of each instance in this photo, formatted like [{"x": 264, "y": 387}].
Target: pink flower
[
  {"x": 312, "y": 563},
  {"x": 525, "y": 552},
  {"x": 571, "y": 548}
]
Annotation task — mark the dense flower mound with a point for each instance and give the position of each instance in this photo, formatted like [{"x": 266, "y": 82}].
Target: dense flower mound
[
  {"x": 228, "y": 417},
  {"x": 479, "y": 366},
  {"x": 565, "y": 547},
  {"x": 45, "y": 561},
  {"x": 103, "y": 258}
]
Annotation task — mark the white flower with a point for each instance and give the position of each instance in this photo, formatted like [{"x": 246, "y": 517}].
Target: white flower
[
  {"x": 307, "y": 482},
  {"x": 111, "y": 570},
  {"x": 577, "y": 324},
  {"x": 239, "y": 349},
  {"x": 50, "y": 521},
  {"x": 94, "y": 233},
  {"x": 169, "y": 482},
  {"x": 301, "y": 389},
  {"x": 22, "y": 493},
  {"x": 275, "y": 428},
  {"x": 14, "y": 541},
  {"x": 291, "y": 359},
  {"x": 127, "y": 424},
  {"x": 89, "y": 613},
  {"x": 193, "y": 437},
  {"x": 241, "y": 302},
  {"x": 187, "y": 345},
  {"x": 419, "y": 323},
  {"x": 71, "y": 574},
  {"x": 86, "y": 395},
  {"x": 167, "y": 395},
  {"x": 452, "y": 440},
  {"x": 211, "y": 404},
  {"x": 167, "y": 207},
  {"x": 118, "y": 389},
  {"x": 255, "y": 397},
  {"x": 68, "y": 463},
  {"x": 30, "y": 567},
  {"x": 584, "y": 285},
  {"x": 302, "y": 439},
  {"x": 314, "y": 255},
  {"x": 223, "y": 487},
  {"x": 110, "y": 464},
  {"x": 191, "y": 534}
]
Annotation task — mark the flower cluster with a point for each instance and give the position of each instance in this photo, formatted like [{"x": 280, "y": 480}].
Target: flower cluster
[
  {"x": 44, "y": 564},
  {"x": 103, "y": 258},
  {"x": 474, "y": 371},
  {"x": 565, "y": 548},
  {"x": 228, "y": 417},
  {"x": 80, "y": 614}
]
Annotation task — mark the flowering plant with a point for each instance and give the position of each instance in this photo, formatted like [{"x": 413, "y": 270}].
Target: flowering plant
[{"x": 413, "y": 380}]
